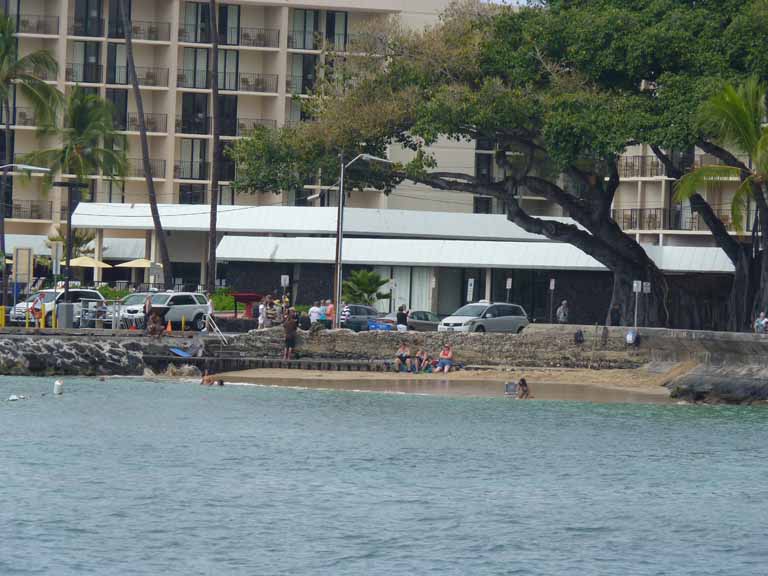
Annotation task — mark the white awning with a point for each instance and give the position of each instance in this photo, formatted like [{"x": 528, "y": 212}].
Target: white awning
[{"x": 304, "y": 220}]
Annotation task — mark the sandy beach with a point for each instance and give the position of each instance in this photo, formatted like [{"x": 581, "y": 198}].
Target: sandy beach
[{"x": 641, "y": 385}]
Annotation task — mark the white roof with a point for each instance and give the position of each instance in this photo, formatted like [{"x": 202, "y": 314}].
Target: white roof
[
  {"x": 453, "y": 253},
  {"x": 304, "y": 220},
  {"x": 114, "y": 248}
]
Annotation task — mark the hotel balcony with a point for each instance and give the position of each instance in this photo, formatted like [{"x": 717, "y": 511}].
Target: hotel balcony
[
  {"x": 25, "y": 116},
  {"x": 34, "y": 24},
  {"x": 194, "y": 34},
  {"x": 296, "y": 84},
  {"x": 250, "y": 37},
  {"x": 303, "y": 40},
  {"x": 152, "y": 121},
  {"x": 148, "y": 76},
  {"x": 188, "y": 78},
  {"x": 29, "y": 210},
  {"x": 136, "y": 167},
  {"x": 640, "y": 167},
  {"x": 87, "y": 73},
  {"x": 193, "y": 124},
  {"x": 248, "y": 82},
  {"x": 675, "y": 219},
  {"x": 143, "y": 30},
  {"x": 190, "y": 170},
  {"x": 92, "y": 28},
  {"x": 245, "y": 126}
]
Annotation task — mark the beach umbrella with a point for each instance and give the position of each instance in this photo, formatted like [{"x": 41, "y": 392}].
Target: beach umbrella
[
  {"x": 138, "y": 263},
  {"x": 86, "y": 262}
]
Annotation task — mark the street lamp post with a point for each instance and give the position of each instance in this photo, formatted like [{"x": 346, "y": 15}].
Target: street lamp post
[
  {"x": 4, "y": 168},
  {"x": 71, "y": 187},
  {"x": 340, "y": 228}
]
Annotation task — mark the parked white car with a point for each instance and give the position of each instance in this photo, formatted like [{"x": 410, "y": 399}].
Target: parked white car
[
  {"x": 131, "y": 310},
  {"x": 484, "y": 316},
  {"x": 80, "y": 297},
  {"x": 191, "y": 306}
]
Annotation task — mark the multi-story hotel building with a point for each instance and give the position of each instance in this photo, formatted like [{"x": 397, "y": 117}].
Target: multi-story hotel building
[{"x": 268, "y": 56}]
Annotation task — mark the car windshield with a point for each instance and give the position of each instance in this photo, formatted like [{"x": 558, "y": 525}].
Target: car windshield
[
  {"x": 133, "y": 299},
  {"x": 161, "y": 298},
  {"x": 471, "y": 310},
  {"x": 47, "y": 297}
]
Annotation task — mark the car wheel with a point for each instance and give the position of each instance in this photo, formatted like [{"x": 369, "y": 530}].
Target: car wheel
[
  {"x": 520, "y": 330},
  {"x": 199, "y": 322},
  {"x": 480, "y": 329}
]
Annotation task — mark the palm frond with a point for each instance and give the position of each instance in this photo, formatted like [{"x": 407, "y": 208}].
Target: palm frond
[
  {"x": 703, "y": 176},
  {"x": 734, "y": 116},
  {"x": 739, "y": 202}
]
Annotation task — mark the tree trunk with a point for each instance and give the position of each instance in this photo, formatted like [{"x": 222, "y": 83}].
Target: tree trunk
[
  {"x": 161, "y": 240},
  {"x": 4, "y": 196},
  {"x": 210, "y": 277}
]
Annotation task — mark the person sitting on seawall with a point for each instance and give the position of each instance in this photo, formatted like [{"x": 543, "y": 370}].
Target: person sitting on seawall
[
  {"x": 304, "y": 322},
  {"x": 562, "y": 313},
  {"x": 155, "y": 324},
  {"x": 445, "y": 360},
  {"x": 418, "y": 360},
  {"x": 403, "y": 358},
  {"x": 761, "y": 323},
  {"x": 423, "y": 362}
]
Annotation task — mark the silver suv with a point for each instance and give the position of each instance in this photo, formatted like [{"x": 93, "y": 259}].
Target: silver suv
[
  {"x": 486, "y": 316},
  {"x": 80, "y": 297},
  {"x": 191, "y": 306}
]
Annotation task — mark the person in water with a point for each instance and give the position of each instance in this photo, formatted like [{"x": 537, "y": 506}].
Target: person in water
[{"x": 523, "y": 392}]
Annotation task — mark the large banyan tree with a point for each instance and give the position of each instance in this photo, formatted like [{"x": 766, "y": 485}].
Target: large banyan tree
[{"x": 560, "y": 89}]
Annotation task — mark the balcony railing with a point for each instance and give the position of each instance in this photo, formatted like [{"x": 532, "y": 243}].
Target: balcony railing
[
  {"x": 89, "y": 73},
  {"x": 676, "y": 218},
  {"x": 190, "y": 170},
  {"x": 148, "y": 76},
  {"x": 92, "y": 27},
  {"x": 136, "y": 167},
  {"x": 248, "y": 82},
  {"x": 143, "y": 30},
  {"x": 640, "y": 167},
  {"x": 186, "y": 78},
  {"x": 152, "y": 121},
  {"x": 34, "y": 24},
  {"x": 303, "y": 40},
  {"x": 29, "y": 210},
  {"x": 25, "y": 116},
  {"x": 258, "y": 37},
  {"x": 248, "y": 125},
  {"x": 194, "y": 33},
  {"x": 193, "y": 124},
  {"x": 296, "y": 84}
]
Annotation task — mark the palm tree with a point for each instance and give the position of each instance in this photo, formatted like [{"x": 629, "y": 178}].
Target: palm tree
[
  {"x": 157, "y": 223},
  {"x": 735, "y": 117},
  {"x": 210, "y": 277},
  {"x": 363, "y": 287},
  {"x": 82, "y": 241},
  {"x": 26, "y": 73}
]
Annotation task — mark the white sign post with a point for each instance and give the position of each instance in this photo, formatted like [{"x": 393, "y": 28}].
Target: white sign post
[
  {"x": 551, "y": 300},
  {"x": 285, "y": 281},
  {"x": 637, "y": 287},
  {"x": 509, "y": 287},
  {"x": 470, "y": 289},
  {"x": 57, "y": 253}
]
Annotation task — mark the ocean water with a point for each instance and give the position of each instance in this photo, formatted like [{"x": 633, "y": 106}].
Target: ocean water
[{"x": 132, "y": 477}]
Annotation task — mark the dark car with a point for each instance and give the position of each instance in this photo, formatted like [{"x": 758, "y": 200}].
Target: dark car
[{"x": 356, "y": 317}]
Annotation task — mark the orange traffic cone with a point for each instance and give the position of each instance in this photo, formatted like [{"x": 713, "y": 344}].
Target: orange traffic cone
[
  {"x": 168, "y": 328},
  {"x": 133, "y": 327}
]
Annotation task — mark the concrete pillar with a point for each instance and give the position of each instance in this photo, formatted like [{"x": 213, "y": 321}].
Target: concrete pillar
[
  {"x": 488, "y": 283},
  {"x": 98, "y": 254},
  {"x": 433, "y": 273}
]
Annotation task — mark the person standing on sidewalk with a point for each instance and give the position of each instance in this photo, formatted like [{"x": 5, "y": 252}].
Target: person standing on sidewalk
[
  {"x": 290, "y": 326},
  {"x": 562, "y": 313}
]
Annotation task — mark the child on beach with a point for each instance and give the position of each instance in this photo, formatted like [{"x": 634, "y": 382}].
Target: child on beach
[{"x": 445, "y": 360}]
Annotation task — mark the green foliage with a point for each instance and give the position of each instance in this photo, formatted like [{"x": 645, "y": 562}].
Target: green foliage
[
  {"x": 363, "y": 288},
  {"x": 82, "y": 241},
  {"x": 223, "y": 300},
  {"x": 110, "y": 293},
  {"x": 89, "y": 143},
  {"x": 735, "y": 118}
]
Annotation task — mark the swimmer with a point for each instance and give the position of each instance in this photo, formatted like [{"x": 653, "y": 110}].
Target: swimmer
[
  {"x": 207, "y": 379},
  {"x": 523, "y": 392}
]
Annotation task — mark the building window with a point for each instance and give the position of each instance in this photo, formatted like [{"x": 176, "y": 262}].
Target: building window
[
  {"x": 192, "y": 194},
  {"x": 227, "y": 115},
  {"x": 192, "y": 163},
  {"x": 115, "y": 24},
  {"x": 336, "y": 30},
  {"x": 195, "y": 71},
  {"x": 302, "y": 70},
  {"x": 229, "y": 24},
  {"x": 226, "y": 195},
  {"x": 482, "y": 205},
  {"x": 117, "y": 64},
  {"x": 197, "y": 22},
  {"x": 483, "y": 168},
  {"x": 118, "y": 97},
  {"x": 115, "y": 191},
  {"x": 86, "y": 63},
  {"x": 304, "y": 28},
  {"x": 88, "y": 19},
  {"x": 194, "y": 113},
  {"x": 228, "y": 64}
]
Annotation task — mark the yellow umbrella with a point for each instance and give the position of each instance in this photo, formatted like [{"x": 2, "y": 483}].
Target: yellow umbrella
[
  {"x": 85, "y": 262},
  {"x": 138, "y": 263}
]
